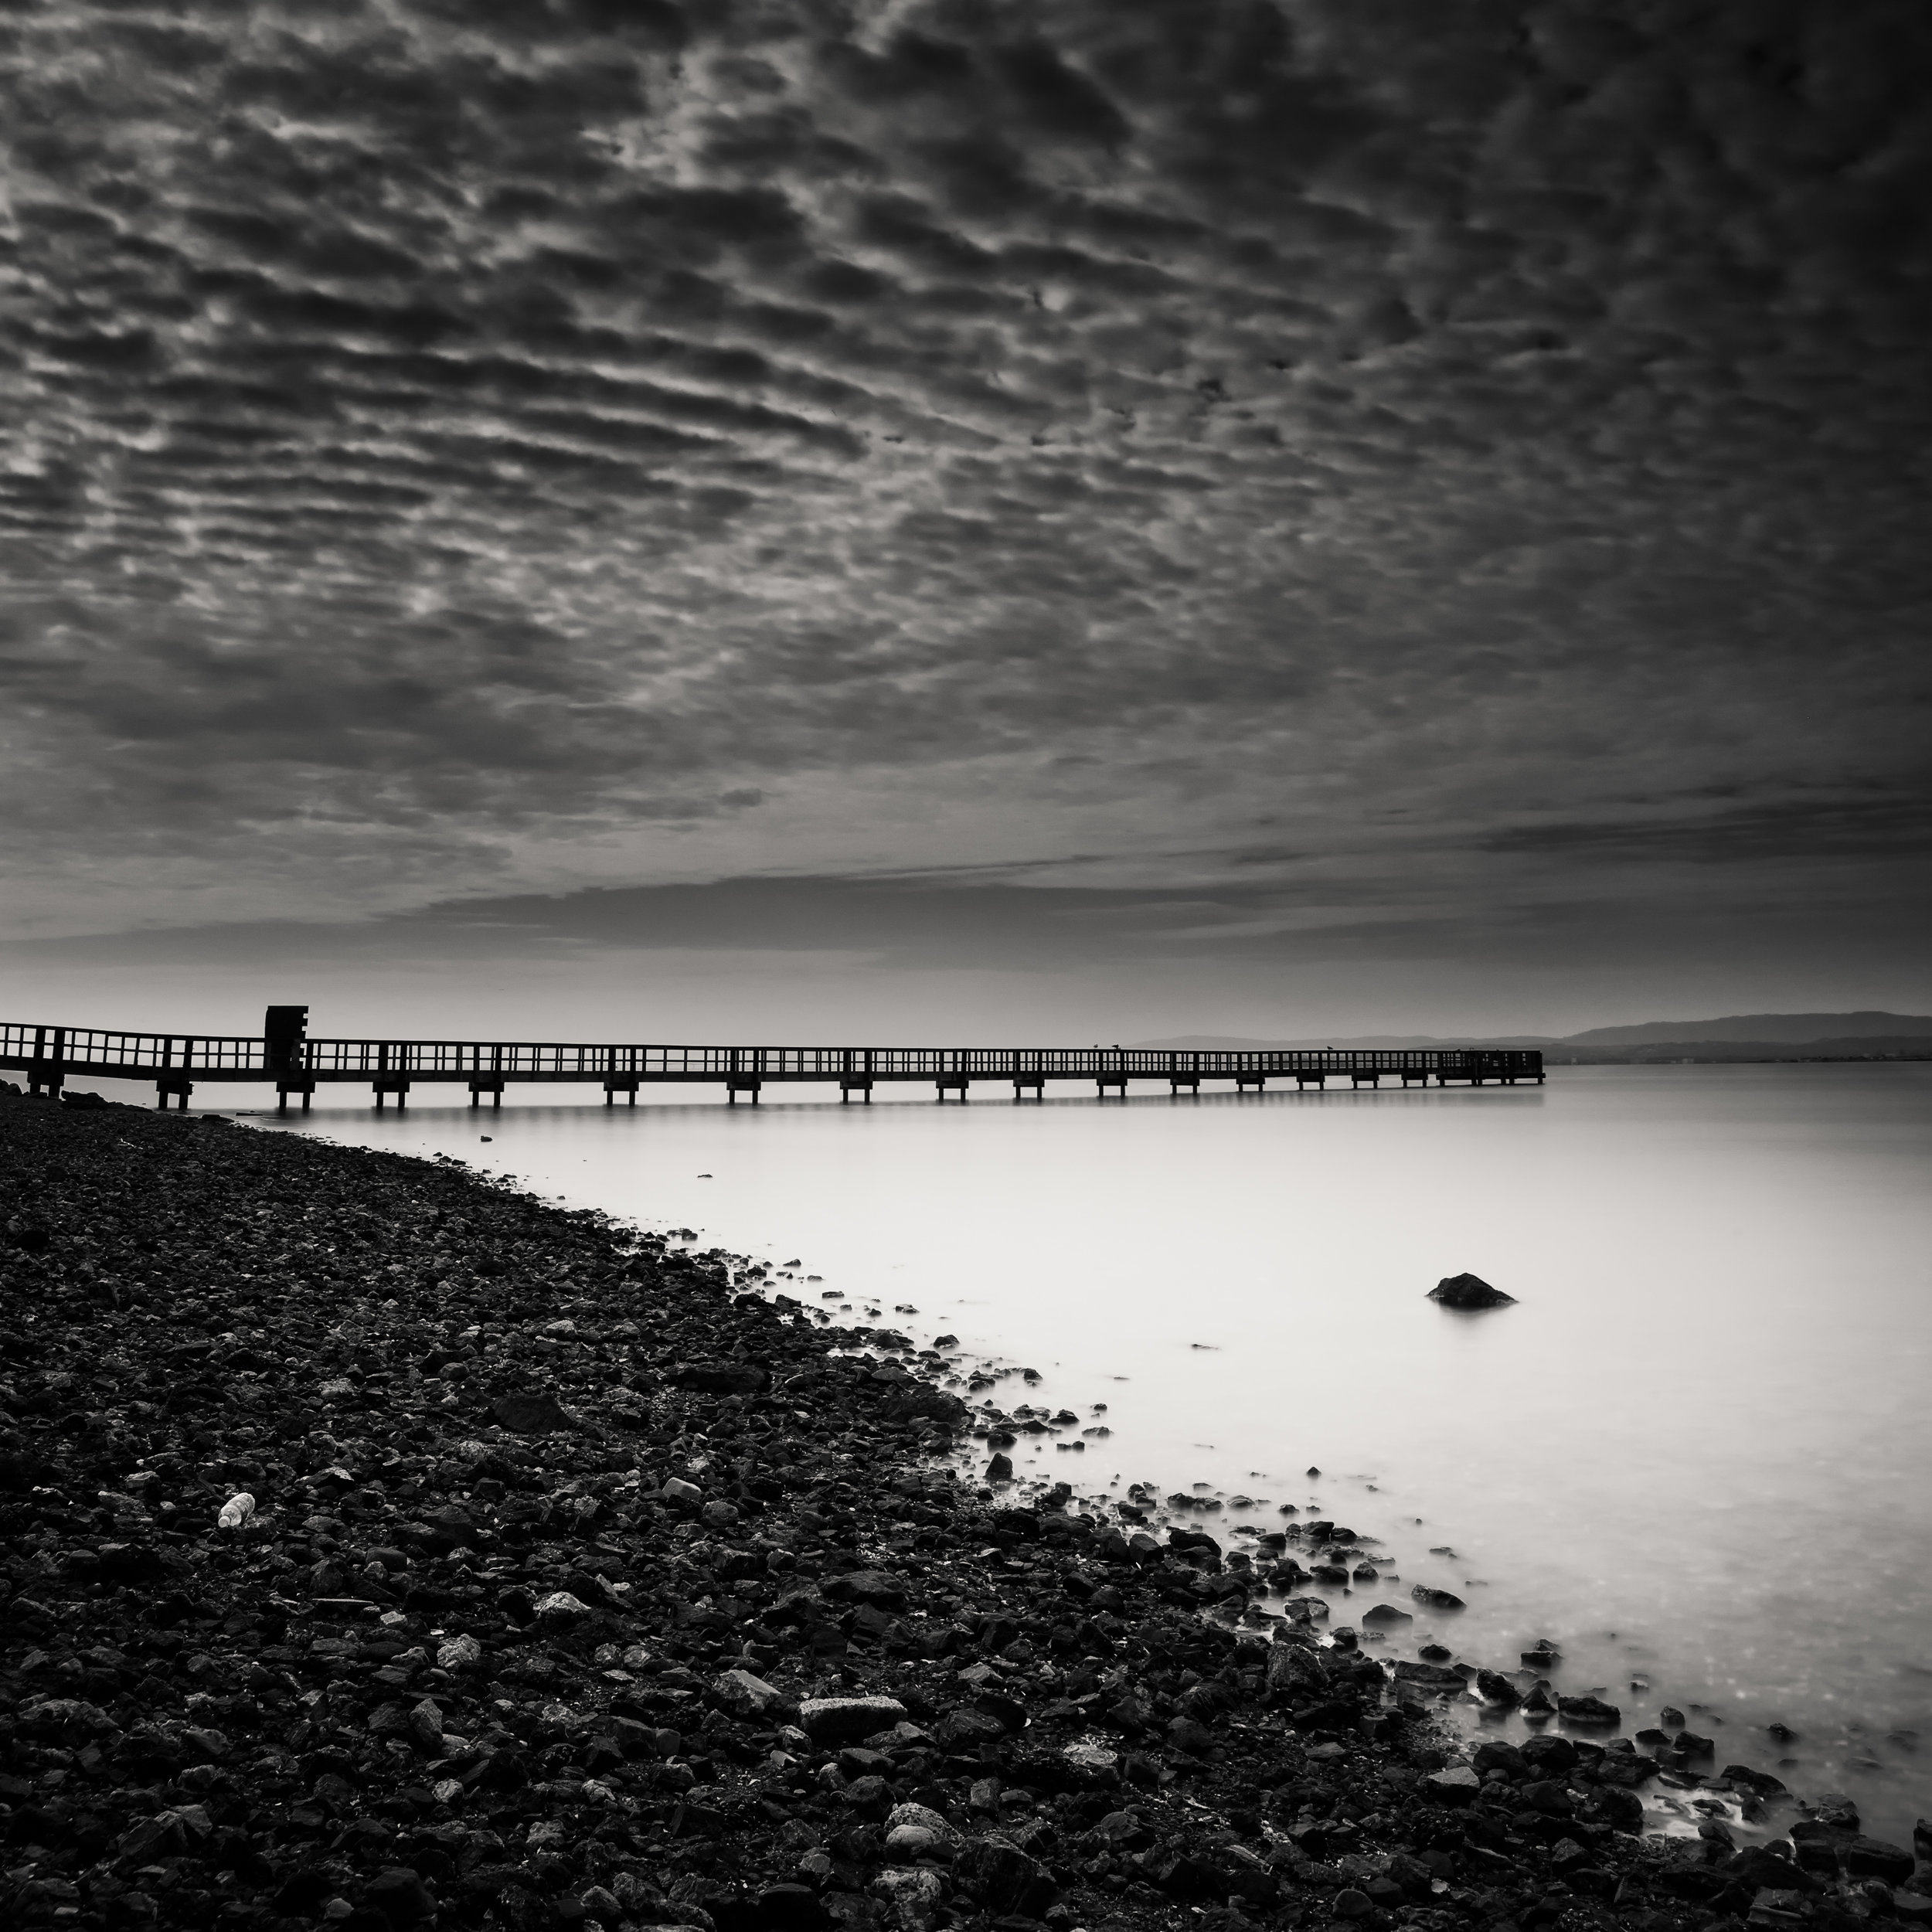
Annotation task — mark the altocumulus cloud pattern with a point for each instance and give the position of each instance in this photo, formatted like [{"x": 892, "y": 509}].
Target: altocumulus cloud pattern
[{"x": 440, "y": 433}]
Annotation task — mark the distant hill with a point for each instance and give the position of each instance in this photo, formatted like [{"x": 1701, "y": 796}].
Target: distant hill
[
  {"x": 1793, "y": 1028},
  {"x": 1738, "y": 1036}
]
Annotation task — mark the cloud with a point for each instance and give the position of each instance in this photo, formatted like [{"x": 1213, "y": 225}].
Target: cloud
[{"x": 450, "y": 441}]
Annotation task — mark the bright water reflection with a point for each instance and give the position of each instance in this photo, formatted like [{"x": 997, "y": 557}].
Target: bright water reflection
[{"x": 1695, "y": 1454}]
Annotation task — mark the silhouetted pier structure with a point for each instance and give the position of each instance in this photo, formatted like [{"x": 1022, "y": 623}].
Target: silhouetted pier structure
[{"x": 283, "y": 1056}]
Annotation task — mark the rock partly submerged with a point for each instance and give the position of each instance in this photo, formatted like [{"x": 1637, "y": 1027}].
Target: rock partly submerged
[{"x": 1469, "y": 1291}]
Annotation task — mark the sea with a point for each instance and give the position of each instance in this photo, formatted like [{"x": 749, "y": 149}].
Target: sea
[{"x": 1694, "y": 1454}]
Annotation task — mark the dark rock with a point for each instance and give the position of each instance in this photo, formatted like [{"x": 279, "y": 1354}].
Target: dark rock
[
  {"x": 965, "y": 1730},
  {"x": 1494, "y": 1688},
  {"x": 400, "y": 1895},
  {"x": 1432, "y": 1677},
  {"x": 996, "y": 1874},
  {"x": 1760, "y": 1865},
  {"x": 719, "y": 1378},
  {"x": 843, "y": 1720},
  {"x": 1872, "y": 1858},
  {"x": 1468, "y": 1291},
  {"x": 530, "y": 1415},
  {"x": 867, "y": 1586},
  {"x": 1436, "y": 1599},
  {"x": 1588, "y": 1710},
  {"x": 1550, "y": 1753}
]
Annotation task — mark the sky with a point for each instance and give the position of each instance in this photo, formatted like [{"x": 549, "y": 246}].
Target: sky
[{"x": 923, "y": 521}]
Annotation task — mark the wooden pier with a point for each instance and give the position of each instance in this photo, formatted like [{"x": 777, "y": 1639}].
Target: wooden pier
[{"x": 282, "y": 1055}]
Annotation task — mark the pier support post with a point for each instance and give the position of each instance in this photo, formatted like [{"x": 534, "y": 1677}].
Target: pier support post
[
  {"x": 489, "y": 1083},
  {"x": 851, "y": 1083},
  {"x": 1022, "y": 1081},
  {"x": 733, "y": 1087},
  {"x": 1316, "y": 1081},
  {"x": 1102, "y": 1081},
  {"x": 395, "y": 1083},
  {"x": 950, "y": 1084},
  {"x": 172, "y": 1086},
  {"x": 625, "y": 1084},
  {"x": 1191, "y": 1081},
  {"x": 1243, "y": 1081},
  {"x": 286, "y": 1086}
]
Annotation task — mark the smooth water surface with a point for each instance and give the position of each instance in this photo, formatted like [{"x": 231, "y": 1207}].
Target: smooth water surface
[{"x": 1696, "y": 1453}]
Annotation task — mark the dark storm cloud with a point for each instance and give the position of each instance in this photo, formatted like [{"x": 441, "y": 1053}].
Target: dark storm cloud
[{"x": 440, "y": 435}]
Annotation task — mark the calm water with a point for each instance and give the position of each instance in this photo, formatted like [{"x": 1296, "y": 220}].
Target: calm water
[{"x": 1695, "y": 1453}]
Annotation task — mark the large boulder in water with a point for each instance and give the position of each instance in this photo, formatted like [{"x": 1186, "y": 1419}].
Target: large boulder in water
[{"x": 1468, "y": 1291}]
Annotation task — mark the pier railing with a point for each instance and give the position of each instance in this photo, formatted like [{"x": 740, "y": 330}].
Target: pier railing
[{"x": 50, "y": 1055}]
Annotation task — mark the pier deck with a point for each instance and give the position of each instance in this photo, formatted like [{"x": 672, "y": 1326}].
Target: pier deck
[{"x": 282, "y": 1056}]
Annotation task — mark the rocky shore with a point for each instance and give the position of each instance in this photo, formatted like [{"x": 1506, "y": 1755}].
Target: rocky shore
[{"x": 385, "y": 1548}]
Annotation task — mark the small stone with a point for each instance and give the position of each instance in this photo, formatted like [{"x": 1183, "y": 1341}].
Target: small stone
[
  {"x": 1459, "y": 1785},
  {"x": 844, "y": 1720},
  {"x": 530, "y": 1415},
  {"x": 912, "y": 1898},
  {"x": 400, "y": 1895},
  {"x": 997, "y": 1874},
  {"x": 746, "y": 1696}
]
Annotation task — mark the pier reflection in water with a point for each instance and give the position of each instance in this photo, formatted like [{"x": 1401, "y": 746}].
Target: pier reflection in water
[{"x": 1693, "y": 1453}]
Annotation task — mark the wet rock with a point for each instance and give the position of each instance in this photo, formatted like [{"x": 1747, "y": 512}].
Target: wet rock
[
  {"x": 1589, "y": 1710},
  {"x": 1436, "y": 1599},
  {"x": 1468, "y": 1291},
  {"x": 1875, "y": 1859},
  {"x": 1550, "y": 1753},
  {"x": 1494, "y": 1688},
  {"x": 1457, "y": 1785}
]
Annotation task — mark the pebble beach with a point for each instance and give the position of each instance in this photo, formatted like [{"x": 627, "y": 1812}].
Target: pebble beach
[{"x": 385, "y": 1547}]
